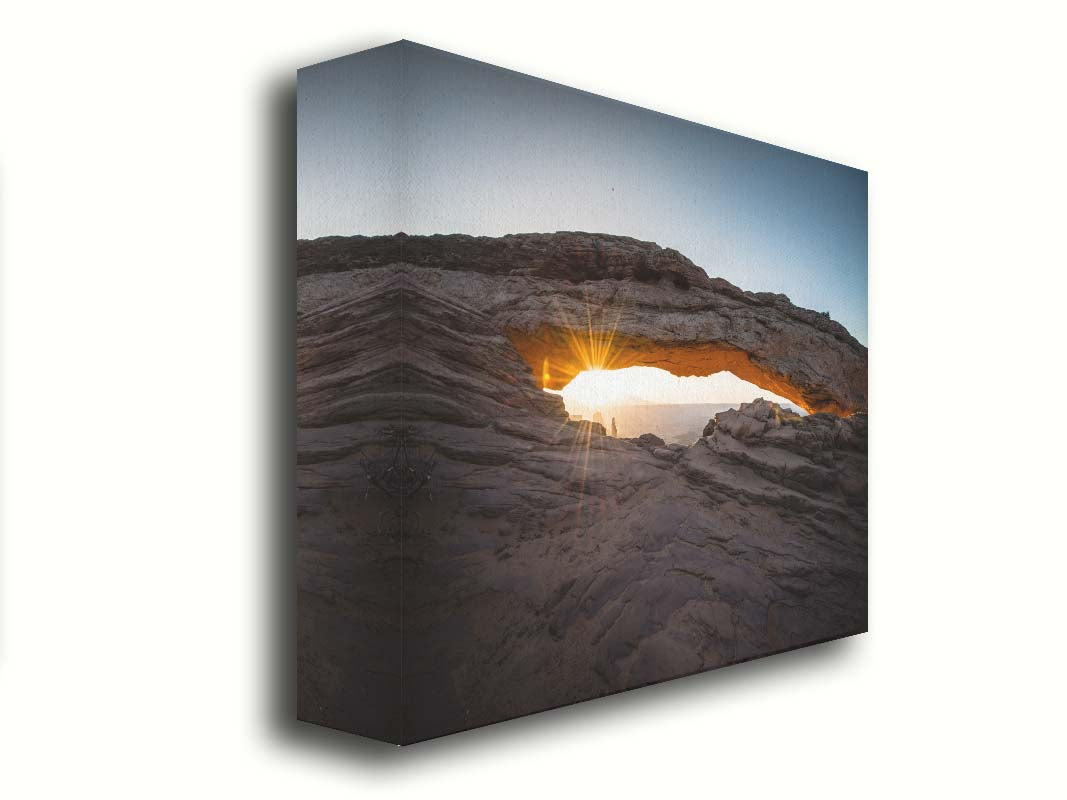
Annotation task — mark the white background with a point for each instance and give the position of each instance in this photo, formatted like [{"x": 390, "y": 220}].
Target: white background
[{"x": 145, "y": 224}]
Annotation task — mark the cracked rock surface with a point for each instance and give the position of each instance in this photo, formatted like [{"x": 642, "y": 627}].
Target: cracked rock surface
[{"x": 545, "y": 562}]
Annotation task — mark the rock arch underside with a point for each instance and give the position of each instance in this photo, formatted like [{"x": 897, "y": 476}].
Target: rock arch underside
[{"x": 544, "y": 562}]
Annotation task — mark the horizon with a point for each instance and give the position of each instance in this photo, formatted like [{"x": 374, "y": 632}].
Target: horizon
[{"x": 632, "y": 387}]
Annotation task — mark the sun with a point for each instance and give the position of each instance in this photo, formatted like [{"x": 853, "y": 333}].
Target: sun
[{"x": 606, "y": 389}]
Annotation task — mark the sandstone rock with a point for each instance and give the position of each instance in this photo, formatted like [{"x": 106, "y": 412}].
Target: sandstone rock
[
  {"x": 753, "y": 419},
  {"x": 544, "y": 562},
  {"x": 649, "y": 441},
  {"x": 654, "y": 306}
]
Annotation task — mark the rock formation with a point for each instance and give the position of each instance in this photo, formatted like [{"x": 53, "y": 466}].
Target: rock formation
[
  {"x": 546, "y": 562},
  {"x": 649, "y": 307}
]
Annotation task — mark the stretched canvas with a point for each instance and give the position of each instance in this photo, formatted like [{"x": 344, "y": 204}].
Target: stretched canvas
[{"x": 581, "y": 396}]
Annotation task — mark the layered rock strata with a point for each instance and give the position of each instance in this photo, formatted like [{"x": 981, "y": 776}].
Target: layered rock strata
[{"x": 542, "y": 562}]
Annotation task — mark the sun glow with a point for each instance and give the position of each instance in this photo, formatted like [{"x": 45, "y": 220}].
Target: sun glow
[
  {"x": 636, "y": 400},
  {"x": 600, "y": 389},
  {"x": 595, "y": 373}
]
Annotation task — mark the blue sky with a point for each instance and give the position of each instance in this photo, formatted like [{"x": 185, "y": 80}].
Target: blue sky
[{"x": 404, "y": 137}]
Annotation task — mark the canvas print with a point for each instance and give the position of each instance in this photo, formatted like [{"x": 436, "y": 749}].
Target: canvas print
[{"x": 581, "y": 396}]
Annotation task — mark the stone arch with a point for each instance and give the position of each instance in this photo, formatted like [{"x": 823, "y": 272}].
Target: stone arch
[{"x": 557, "y": 354}]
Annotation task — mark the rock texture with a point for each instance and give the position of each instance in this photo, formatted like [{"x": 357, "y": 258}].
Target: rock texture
[
  {"x": 546, "y": 562},
  {"x": 649, "y": 306}
]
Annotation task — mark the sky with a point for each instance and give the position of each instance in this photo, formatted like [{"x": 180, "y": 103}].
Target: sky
[
  {"x": 405, "y": 137},
  {"x": 599, "y": 389}
]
